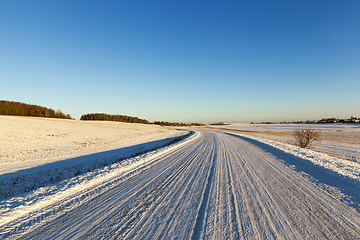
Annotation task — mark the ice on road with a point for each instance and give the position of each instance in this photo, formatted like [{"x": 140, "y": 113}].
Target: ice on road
[{"x": 212, "y": 186}]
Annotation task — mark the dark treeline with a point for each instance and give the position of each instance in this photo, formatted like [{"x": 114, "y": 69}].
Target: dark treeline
[
  {"x": 219, "y": 123},
  {"x": 116, "y": 118},
  {"x": 23, "y": 109},
  {"x": 124, "y": 118},
  {"x": 176, "y": 124},
  {"x": 324, "y": 120}
]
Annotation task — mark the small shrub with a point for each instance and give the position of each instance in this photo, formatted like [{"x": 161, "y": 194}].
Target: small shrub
[{"x": 304, "y": 137}]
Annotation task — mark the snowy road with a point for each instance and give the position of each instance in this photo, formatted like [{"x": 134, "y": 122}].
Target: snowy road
[{"x": 213, "y": 186}]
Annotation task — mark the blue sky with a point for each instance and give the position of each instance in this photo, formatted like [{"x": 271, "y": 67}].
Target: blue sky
[{"x": 185, "y": 61}]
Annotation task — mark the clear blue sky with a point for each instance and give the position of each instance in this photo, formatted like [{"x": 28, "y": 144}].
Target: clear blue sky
[{"x": 185, "y": 61}]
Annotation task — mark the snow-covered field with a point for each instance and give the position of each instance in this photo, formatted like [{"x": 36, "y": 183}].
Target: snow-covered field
[
  {"x": 35, "y": 152},
  {"x": 338, "y": 140},
  {"x": 68, "y": 193},
  {"x": 211, "y": 185}
]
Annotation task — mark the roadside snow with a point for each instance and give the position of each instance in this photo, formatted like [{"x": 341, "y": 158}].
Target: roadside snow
[
  {"x": 211, "y": 185},
  {"x": 27, "y": 142},
  {"x": 289, "y": 127},
  {"x": 35, "y": 152},
  {"x": 340, "y": 166},
  {"x": 88, "y": 184},
  {"x": 337, "y": 140}
]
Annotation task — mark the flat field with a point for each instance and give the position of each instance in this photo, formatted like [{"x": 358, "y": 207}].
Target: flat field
[
  {"x": 210, "y": 185},
  {"x": 337, "y": 140},
  {"x": 27, "y": 142},
  {"x": 36, "y": 152}
]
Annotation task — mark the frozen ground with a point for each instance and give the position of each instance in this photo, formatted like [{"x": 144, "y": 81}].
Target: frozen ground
[
  {"x": 338, "y": 140},
  {"x": 27, "y": 142},
  {"x": 211, "y": 185},
  {"x": 35, "y": 152}
]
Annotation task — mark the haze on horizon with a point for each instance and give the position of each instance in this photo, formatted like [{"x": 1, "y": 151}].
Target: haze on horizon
[{"x": 184, "y": 61}]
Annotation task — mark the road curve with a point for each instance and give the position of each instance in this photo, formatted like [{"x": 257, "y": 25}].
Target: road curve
[{"x": 216, "y": 186}]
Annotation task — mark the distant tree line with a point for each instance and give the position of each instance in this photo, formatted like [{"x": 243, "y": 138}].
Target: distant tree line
[
  {"x": 124, "y": 118},
  {"x": 23, "y": 109},
  {"x": 324, "y": 120},
  {"x": 336, "y": 120},
  {"x": 219, "y": 123},
  {"x": 176, "y": 124},
  {"x": 116, "y": 118}
]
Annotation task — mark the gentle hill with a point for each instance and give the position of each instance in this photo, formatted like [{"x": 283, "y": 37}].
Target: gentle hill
[
  {"x": 116, "y": 118},
  {"x": 23, "y": 109}
]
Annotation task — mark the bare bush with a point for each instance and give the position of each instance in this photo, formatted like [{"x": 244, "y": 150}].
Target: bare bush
[{"x": 304, "y": 137}]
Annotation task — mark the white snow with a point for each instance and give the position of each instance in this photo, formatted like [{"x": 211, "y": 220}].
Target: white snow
[
  {"x": 209, "y": 185},
  {"x": 337, "y": 140},
  {"x": 35, "y": 152},
  {"x": 27, "y": 142},
  {"x": 60, "y": 195},
  {"x": 289, "y": 127},
  {"x": 344, "y": 167}
]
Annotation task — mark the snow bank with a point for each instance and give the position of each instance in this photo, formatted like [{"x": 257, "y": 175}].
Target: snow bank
[
  {"x": 36, "y": 152},
  {"x": 337, "y": 140},
  {"x": 72, "y": 191},
  {"x": 289, "y": 127},
  {"x": 340, "y": 166},
  {"x": 27, "y": 142}
]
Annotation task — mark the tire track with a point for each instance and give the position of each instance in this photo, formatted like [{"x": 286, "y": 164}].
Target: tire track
[
  {"x": 197, "y": 229},
  {"x": 114, "y": 199},
  {"x": 143, "y": 201},
  {"x": 165, "y": 186},
  {"x": 325, "y": 226},
  {"x": 233, "y": 206},
  {"x": 217, "y": 187}
]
